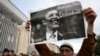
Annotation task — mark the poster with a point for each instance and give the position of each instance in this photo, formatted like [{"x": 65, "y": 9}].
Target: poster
[{"x": 57, "y": 23}]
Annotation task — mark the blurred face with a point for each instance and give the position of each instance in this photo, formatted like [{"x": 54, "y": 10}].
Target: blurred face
[
  {"x": 65, "y": 51},
  {"x": 10, "y": 53},
  {"x": 33, "y": 53},
  {"x": 52, "y": 19},
  {"x": 6, "y": 53}
]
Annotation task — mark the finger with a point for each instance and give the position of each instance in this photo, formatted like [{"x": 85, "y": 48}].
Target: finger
[
  {"x": 88, "y": 11},
  {"x": 91, "y": 15}
]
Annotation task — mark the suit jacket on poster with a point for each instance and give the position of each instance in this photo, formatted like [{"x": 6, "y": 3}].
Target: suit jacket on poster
[{"x": 41, "y": 36}]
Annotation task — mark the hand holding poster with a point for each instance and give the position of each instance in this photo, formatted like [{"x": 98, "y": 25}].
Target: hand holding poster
[{"x": 57, "y": 23}]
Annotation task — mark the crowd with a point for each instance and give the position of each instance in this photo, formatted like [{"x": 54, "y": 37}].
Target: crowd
[{"x": 7, "y": 52}]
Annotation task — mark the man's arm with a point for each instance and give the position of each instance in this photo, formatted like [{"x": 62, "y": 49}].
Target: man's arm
[
  {"x": 87, "y": 48},
  {"x": 90, "y": 18}
]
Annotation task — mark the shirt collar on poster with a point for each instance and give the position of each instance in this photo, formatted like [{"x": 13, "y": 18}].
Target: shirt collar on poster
[{"x": 48, "y": 36}]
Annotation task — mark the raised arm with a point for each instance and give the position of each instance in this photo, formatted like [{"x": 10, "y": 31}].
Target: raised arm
[
  {"x": 87, "y": 48},
  {"x": 90, "y": 16}
]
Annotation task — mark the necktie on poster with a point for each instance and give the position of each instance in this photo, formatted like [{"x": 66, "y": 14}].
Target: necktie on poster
[{"x": 52, "y": 36}]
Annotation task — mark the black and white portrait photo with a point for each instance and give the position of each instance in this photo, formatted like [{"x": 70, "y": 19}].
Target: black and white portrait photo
[{"x": 57, "y": 23}]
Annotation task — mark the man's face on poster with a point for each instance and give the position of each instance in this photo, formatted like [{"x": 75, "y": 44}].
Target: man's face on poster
[{"x": 52, "y": 19}]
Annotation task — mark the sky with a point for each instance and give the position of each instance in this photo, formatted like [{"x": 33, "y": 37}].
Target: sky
[{"x": 27, "y": 6}]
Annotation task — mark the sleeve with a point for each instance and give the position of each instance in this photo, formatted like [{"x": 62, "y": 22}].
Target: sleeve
[
  {"x": 87, "y": 48},
  {"x": 44, "y": 50}
]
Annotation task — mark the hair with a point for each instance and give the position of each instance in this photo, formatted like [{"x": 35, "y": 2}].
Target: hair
[
  {"x": 21, "y": 54},
  {"x": 11, "y": 51},
  {"x": 5, "y": 50}
]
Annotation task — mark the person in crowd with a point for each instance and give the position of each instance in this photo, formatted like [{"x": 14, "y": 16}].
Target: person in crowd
[
  {"x": 11, "y": 53},
  {"x": 5, "y": 52},
  {"x": 33, "y": 53}
]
